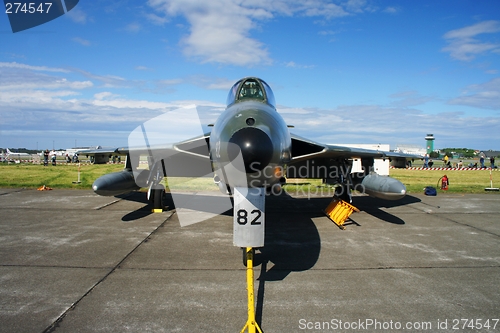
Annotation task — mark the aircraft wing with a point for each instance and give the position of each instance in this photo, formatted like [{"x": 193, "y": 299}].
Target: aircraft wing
[
  {"x": 304, "y": 149},
  {"x": 190, "y": 146},
  {"x": 194, "y": 151},
  {"x": 101, "y": 155},
  {"x": 110, "y": 151},
  {"x": 189, "y": 158}
]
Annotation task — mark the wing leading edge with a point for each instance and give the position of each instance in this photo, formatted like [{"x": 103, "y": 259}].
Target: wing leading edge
[{"x": 305, "y": 149}]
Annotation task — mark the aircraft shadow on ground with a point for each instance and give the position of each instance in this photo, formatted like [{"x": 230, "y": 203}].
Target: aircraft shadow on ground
[
  {"x": 139, "y": 213},
  {"x": 297, "y": 239},
  {"x": 208, "y": 204},
  {"x": 372, "y": 206},
  {"x": 294, "y": 244},
  {"x": 292, "y": 241},
  {"x": 291, "y": 244}
]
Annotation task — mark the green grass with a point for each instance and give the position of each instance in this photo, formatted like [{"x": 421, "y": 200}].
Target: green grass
[
  {"x": 191, "y": 184},
  {"x": 62, "y": 176},
  {"x": 461, "y": 181},
  {"x": 59, "y": 176}
]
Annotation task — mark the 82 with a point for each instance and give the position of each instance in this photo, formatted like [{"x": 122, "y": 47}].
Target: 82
[
  {"x": 26, "y": 7},
  {"x": 242, "y": 217}
]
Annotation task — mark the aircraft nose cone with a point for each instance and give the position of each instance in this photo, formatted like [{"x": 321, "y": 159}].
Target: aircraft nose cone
[{"x": 256, "y": 148}]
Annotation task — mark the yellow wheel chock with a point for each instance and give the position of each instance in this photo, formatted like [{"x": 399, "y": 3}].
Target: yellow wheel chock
[
  {"x": 251, "y": 324},
  {"x": 339, "y": 211}
]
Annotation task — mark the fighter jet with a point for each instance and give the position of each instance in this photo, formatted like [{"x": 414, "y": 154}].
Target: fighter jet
[{"x": 251, "y": 148}]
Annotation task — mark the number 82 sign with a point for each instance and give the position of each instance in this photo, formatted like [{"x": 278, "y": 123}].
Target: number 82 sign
[
  {"x": 249, "y": 217},
  {"x": 242, "y": 217}
]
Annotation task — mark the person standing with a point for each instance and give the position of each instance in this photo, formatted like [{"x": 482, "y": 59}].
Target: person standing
[
  {"x": 426, "y": 161},
  {"x": 46, "y": 157},
  {"x": 492, "y": 161},
  {"x": 54, "y": 157},
  {"x": 481, "y": 161}
]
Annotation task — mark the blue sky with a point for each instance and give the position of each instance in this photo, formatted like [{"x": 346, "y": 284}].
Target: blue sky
[{"x": 342, "y": 71}]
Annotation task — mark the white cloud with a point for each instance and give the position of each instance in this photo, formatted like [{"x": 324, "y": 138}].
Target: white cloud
[
  {"x": 133, "y": 27},
  {"x": 220, "y": 85},
  {"x": 327, "y": 32},
  {"x": 484, "y": 96},
  {"x": 327, "y": 10},
  {"x": 77, "y": 15},
  {"x": 473, "y": 30},
  {"x": 22, "y": 78},
  {"x": 28, "y": 96},
  {"x": 288, "y": 110},
  {"x": 108, "y": 81},
  {"x": 462, "y": 44},
  {"x": 131, "y": 104},
  {"x": 103, "y": 95},
  {"x": 82, "y": 41},
  {"x": 155, "y": 19},
  {"x": 170, "y": 82},
  {"x": 410, "y": 98},
  {"x": 34, "y": 97},
  {"x": 391, "y": 10},
  {"x": 29, "y": 67},
  {"x": 392, "y": 125},
  {"x": 293, "y": 64},
  {"x": 219, "y": 31},
  {"x": 211, "y": 83},
  {"x": 216, "y": 37}
]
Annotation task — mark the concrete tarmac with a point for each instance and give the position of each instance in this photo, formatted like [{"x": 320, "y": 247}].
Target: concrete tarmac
[{"x": 71, "y": 261}]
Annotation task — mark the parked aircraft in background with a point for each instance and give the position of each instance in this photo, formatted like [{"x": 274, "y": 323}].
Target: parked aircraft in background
[{"x": 12, "y": 155}]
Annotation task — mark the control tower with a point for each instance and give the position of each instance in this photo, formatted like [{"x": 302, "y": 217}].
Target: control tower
[{"x": 429, "y": 139}]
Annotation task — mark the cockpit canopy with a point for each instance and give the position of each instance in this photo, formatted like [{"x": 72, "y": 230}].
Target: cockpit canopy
[{"x": 251, "y": 89}]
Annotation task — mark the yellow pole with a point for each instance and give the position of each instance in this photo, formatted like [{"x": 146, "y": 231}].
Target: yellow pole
[{"x": 251, "y": 324}]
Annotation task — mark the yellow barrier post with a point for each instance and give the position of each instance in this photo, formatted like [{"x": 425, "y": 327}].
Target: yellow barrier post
[
  {"x": 339, "y": 211},
  {"x": 251, "y": 324}
]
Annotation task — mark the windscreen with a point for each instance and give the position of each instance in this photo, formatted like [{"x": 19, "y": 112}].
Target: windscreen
[{"x": 251, "y": 89}]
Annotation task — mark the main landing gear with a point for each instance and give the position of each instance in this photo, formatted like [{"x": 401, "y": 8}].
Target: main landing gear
[{"x": 156, "y": 197}]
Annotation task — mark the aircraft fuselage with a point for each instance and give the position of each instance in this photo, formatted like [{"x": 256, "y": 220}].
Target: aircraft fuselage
[{"x": 250, "y": 143}]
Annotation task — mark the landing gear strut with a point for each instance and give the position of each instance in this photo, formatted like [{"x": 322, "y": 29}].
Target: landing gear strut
[{"x": 251, "y": 324}]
